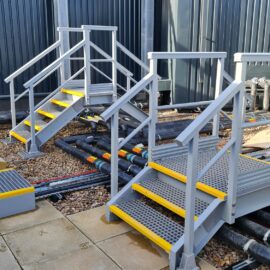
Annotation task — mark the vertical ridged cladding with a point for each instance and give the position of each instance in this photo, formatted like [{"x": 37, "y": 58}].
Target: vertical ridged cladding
[
  {"x": 125, "y": 14},
  {"x": 211, "y": 25},
  {"x": 26, "y": 29},
  {"x": 10, "y": 180}
]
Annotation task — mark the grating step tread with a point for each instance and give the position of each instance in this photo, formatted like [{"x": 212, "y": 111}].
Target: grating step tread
[
  {"x": 40, "y": 124},
  {"x": 63, "y": 102},
  {"x": 10, "y": 180},
  {"x": 217, "y": 176},
  {"x": 156, "y": 222},
  {"x": 21, "y": 135},
  {"x": 172, "y": 194},
  {"x": 49, "y": 113}
]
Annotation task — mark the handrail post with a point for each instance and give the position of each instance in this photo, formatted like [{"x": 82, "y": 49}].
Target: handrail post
[
  {"x": 153, "y": 113},
  {"x": 188, "y": 258},
  {"x": 65, "y": 71},
  {"x": 114, "y": 123},
  {"x": 128, "y": 83},
  {"x": 87, "y": 64},
  {"x": 12, "y": 103},
  {"x": 238, "y": 113},
  {"x": 218, "y": 90}
]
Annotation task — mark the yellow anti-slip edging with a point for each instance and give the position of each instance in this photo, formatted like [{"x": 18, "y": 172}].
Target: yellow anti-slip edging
[
  {"x": 28, "y": 123},
  {"x": 178, "y": 176},
  {"x": 60, "y": 103},
  {"x": 72, "y": 92},
  {"x": 17, "y": 192},
  {"x": 47, "y": 114},
  {"x": 255, "y": 159},
  {"x": 141, "y": 228},
  {"x": 161, "y": 201},
  {"x": 18, "y": 137}
]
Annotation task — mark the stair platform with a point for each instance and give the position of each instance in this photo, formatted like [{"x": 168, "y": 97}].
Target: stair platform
[
  {"x": 215, "y": 181},
  {"x": 17, "y": 195}
]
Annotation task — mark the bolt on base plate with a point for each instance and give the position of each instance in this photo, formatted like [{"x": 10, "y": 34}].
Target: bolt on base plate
[{"x": 30, "y": 155}]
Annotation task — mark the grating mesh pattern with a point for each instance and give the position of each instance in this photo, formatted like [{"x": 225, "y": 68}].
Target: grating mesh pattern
[
  {"x": 217, "y": 176},
  {"x": 172, "y": 194},
  {"x": 158, "y": 223},
  {"x": 10, "y": 180}
]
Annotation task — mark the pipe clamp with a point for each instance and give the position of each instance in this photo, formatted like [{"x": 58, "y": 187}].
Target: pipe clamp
[
  {"x": 265, "y": 237},
  {"x": 248, "y": 243}
]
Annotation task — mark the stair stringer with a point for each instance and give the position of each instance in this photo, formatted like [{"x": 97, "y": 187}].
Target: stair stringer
[
  {"x": 59, "y": 122},
  {"x": 127, "y": 193},
  {"x": 205, "y": 227}
]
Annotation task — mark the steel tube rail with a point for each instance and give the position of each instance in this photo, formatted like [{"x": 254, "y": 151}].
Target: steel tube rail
[
  {"x": 99, "y": 50},
  {"x": 186, "y": 55},
  {"x": 134, "y": 132},
  {"x": 251, "y": 57},
  {"x": 107, "y": 77},
  {"x": 33, "y": 61},
  {"x": 12, "y": 103},
  {"x": 69, "y": 29},
  {"x": 55, "y": 63},
  {"x": 21, "y": 95},
  {"x": 100, "y": 28},
  {"x": 127, "y": 97},
  {"x": 256, "y": 124},
  {"x": 209, "y": 113},
  {"x": 185, "y": 105}
]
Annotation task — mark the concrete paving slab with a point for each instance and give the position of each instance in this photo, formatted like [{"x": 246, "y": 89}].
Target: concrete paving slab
[
  {"x": 44, "y": 213},
  {"x": 88, "y": 259},
  {"x": 132, "y": 251},
  {"x": 94, "y": 225},
  {"x": 46, "y": 241},
  {"x": 7, "y": 260}
]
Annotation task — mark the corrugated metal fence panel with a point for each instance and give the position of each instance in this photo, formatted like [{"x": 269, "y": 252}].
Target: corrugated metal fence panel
[
  {"x": 25, "y": 30},
  {"x": 125, "y": 14},
  {"x": 210, "y": 25}
]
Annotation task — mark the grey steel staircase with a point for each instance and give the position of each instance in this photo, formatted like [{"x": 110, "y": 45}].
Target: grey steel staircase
[
  {"x": 190, "y": 188},
  {"x": 74, "y": 92}
]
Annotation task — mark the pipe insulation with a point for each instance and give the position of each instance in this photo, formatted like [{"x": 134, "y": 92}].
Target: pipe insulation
[
  {"x": 262, "y": 216},
  {"x": 123, "y": 164},
  {"x": 258, "y": 251},
  {"x": 101, "y": 165},
  {"x": 254, "y": 229}
]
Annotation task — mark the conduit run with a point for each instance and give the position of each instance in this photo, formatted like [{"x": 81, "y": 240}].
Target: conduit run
[
  {"x": 101, "y": 165},
  {"x": 123, "y": 164},
  {"x": 256, "y": 250},
  {"x": 262, "y": 216},
  {"x": 254, "y": 229}
]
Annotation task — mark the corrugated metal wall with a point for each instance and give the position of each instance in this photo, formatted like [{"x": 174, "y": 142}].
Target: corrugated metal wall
[
  {"x": 209, "y": 25},
  {"x": 125, "y": 14},
  {"x": 25, "y": 30}
]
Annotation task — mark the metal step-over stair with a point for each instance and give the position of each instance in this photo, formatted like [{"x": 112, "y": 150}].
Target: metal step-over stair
[
  {"x": 74, "y": 93},
  {"x": 190, "y": 188}
]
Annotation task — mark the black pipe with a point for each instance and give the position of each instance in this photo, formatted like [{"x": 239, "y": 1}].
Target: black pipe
[
  {"x": 262, "y": 216},
  {"x": 105, "y": 144},
  {"x": 101, "y": 165},
  {"x": 123, "y": 164},
  {"x": 258, "y": 251},
  {"x": 253, "y": 229}
]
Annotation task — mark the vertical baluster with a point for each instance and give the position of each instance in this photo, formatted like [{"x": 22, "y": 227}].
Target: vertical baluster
[
  {"x": 238, "y": 114},
  {"x": 12, "y": 103},
  {"x": 87, "y": 58},
  {"x": 153, "y": 114},
  {"x": 188, "y": 257},
  {"x": 218, "y": 90},
  {"x": 114, "y": 123}
]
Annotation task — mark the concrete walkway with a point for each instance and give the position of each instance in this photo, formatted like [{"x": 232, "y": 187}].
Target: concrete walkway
[{"x": 45, "y": 239}]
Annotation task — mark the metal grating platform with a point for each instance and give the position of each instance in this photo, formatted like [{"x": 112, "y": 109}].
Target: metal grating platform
[
  {"x": 217, "y": 176},
  {"x": 172, "y": 194},
  {"x": 158, "y": 223},
  {"x": 10, "y": 180}
]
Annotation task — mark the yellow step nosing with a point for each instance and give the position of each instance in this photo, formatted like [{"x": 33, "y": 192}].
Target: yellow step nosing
[
  {"x": 178, "y": 176},
  {"x": 5, "y": 170},
  {"x": 18, "y": 136},
  {"x": 28, "y": 123},
  {"x": 47, "y": 114},
  {"x": 72, "y": 92},
  {"x": 16, "y": 192},
  {"x": 255, "y": 159},
  {"x": 141, "y": 228},
  {"x": 161, "y": 201},
  {"x": 60, "y": 103}
]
